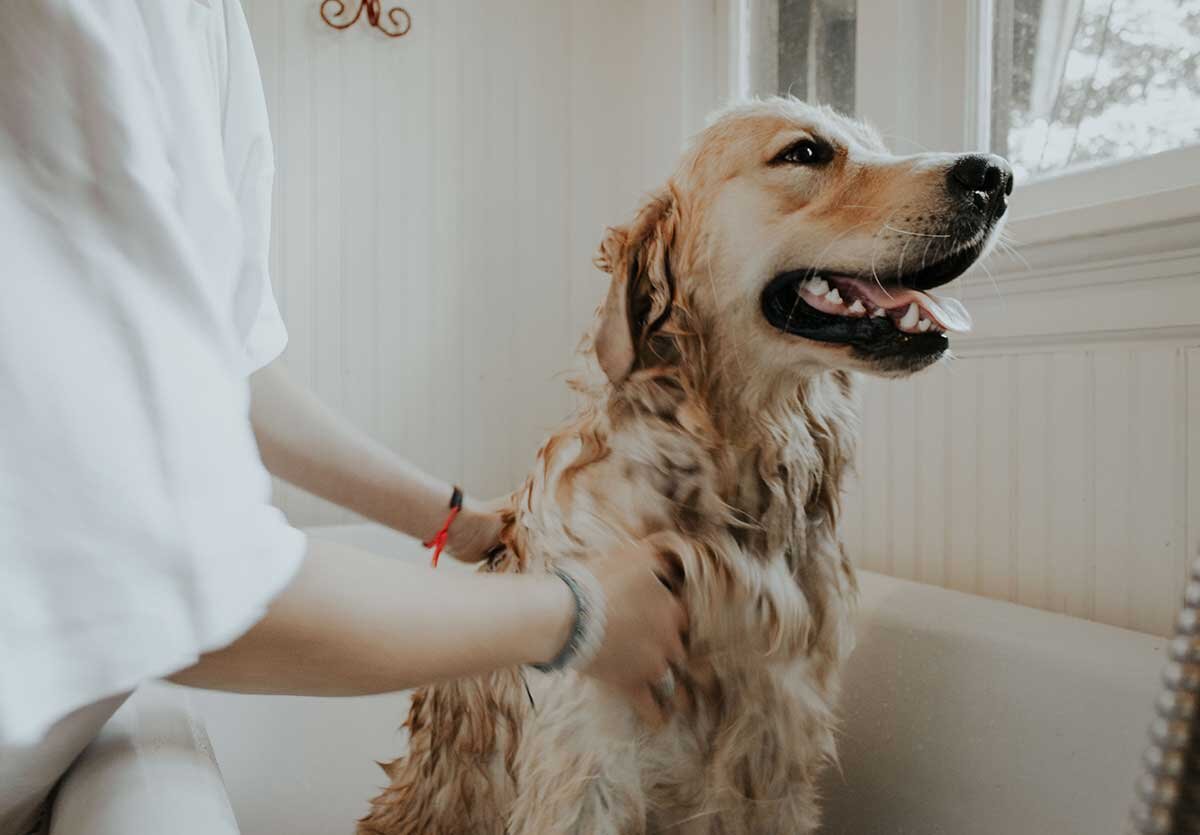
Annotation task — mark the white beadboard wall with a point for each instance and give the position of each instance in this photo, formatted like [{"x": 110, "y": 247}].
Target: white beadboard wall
[
  {"x": 1056, "y": 462},
  {"x": 439, "y": 199}
]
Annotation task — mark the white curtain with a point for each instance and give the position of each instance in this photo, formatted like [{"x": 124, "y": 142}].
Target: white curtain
[{"x": 1056, "y": 30}]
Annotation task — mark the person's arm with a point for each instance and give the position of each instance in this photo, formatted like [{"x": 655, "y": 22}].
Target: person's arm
[
  {"x": 351, "y": 623},
  {"x": 307, "y": 444}
]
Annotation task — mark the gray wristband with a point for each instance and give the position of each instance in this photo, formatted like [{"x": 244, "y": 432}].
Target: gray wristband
[{"x": 587, "y": 629}]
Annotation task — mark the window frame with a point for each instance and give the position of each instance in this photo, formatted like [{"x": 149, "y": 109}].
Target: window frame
[
  {"x": 894, "y": 84},
  {"x": 1073, "y": 189}
]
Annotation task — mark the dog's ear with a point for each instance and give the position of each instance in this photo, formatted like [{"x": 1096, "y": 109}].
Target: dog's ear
[{"x": 642, "y": 288}]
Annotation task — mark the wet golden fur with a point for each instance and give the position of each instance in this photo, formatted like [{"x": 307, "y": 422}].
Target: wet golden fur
[{"x": 734, "y": 440}]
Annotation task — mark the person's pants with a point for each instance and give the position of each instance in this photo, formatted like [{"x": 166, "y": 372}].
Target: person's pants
[{"x": 29, "y": 773}]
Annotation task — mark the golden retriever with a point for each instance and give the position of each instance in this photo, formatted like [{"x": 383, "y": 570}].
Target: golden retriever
[{"x": 788, "y": 250}]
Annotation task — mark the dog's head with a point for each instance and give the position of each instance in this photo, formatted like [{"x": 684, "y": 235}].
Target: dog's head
[{"x": 790, "y": 241}]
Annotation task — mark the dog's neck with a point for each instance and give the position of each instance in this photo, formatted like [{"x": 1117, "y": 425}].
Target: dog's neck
[
  {"x": 788, "y": 446},
  {"x": 799, "y": 444}
]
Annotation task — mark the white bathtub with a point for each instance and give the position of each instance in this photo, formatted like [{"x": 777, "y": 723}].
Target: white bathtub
[{"x": 963, "y": 716}]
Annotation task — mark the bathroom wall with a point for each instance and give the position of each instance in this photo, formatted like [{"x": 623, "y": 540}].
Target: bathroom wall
[
  {"x": 440, "y": 197},
  {"x": 1056, "y": 461}
]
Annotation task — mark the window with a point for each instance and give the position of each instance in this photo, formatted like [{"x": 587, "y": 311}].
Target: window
[
  {"x": 1083, "y": 82},
  {"x": 805, "y": 48},
  {"x": 1058, "y": 87},
  {"x": 815, "y": 51}
]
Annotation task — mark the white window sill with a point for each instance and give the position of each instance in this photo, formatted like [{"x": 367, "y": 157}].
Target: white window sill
[
  {"x": 1159, "y": 208},
  {"x": 1144, "y": 202},
  {"x": 1111, "y": 181}
]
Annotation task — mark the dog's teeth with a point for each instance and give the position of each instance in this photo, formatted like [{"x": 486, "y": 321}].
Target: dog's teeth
[
  {"x": 878, "y": 313},
  {"x": 909, "y": 320},
  {"x": 818, "y": 287},
  {"x": 857, "y": 308},
  {"x": 833, "y": 296},
  {"x": 923, "y": 325}
]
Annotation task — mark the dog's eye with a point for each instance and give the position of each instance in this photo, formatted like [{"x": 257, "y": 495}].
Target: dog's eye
[{"x": 804, "y": 152}]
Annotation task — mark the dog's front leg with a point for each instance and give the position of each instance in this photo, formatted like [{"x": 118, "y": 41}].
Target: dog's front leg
[{"x": 577, "y": 768}]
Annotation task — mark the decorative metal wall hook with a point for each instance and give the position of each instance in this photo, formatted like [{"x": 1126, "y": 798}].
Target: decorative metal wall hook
[{"x": 397, "y": 23}]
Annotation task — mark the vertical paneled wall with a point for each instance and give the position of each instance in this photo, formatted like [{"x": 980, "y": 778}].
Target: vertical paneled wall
[
  {"x": 1054, "y": 462},
  {"x": 1055, "y": 479},
  {"x": 439, "y": 198}
]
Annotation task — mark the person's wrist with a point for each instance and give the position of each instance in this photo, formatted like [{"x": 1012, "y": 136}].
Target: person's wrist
[
  {"x": 556, "y": 607},
  {"x": 465, "y": 528},
  {"x": 455, "y": 534},
  {"x": 476, "y": 531},
  {"x": 588, "y": 621}
]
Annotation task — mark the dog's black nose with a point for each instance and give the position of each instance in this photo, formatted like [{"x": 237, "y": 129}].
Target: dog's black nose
[{"x": 984, "y": 178}]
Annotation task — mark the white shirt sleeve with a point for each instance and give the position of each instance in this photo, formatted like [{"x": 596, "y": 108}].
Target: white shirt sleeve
[
  {"x": 250, "y": 166},
  {"x": 136, "y": 530}
]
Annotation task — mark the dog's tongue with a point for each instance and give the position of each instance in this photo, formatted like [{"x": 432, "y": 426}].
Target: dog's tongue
[
  {"x": 948, "y": 312},
  {"x": 951, "y": 313}
]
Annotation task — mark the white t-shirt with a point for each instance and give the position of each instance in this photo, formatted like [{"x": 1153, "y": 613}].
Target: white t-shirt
[{"x": 135, "y": 183}]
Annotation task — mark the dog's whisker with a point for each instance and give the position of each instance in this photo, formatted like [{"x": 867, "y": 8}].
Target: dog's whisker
[
  {"x": 792, "y": 312},
  {"x": 1009, "y": 238},
  {"x": 925, "y": 254},
  {"x": 875, "y": 239},
  {"x": 900, "y": 138},
  {"x": 914, "y": 234},
  {"x": 996, "y": 287},
  {"x": 816, "y": 268},
  {"x": 1012, "y": 251},
  {"x": 903, "y": 252}
]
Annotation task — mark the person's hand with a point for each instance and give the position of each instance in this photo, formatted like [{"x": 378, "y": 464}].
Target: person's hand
[
  {"x": 646, "y": 624},
  {"x": 476, "y": 530}
]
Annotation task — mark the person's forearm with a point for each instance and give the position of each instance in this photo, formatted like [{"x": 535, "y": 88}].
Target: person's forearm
[
  {"x": 305, "y": 443},
  {"x": 352, "y": 623}
]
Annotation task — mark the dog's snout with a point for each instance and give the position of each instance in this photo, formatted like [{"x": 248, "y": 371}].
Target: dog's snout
[{"x": 985, "y": 179}]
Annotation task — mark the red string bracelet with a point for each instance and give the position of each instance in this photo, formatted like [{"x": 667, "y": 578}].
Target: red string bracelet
[{"x": 438, "y": 543}]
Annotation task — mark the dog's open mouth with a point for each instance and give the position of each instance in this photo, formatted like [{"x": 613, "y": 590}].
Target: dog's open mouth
[
  {"x": 880, "y": 319},
  {"x": 827, "y": 307}
]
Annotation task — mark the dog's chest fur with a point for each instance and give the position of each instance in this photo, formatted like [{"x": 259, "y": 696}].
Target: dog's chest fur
[{"x": 768, "y": 587}]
